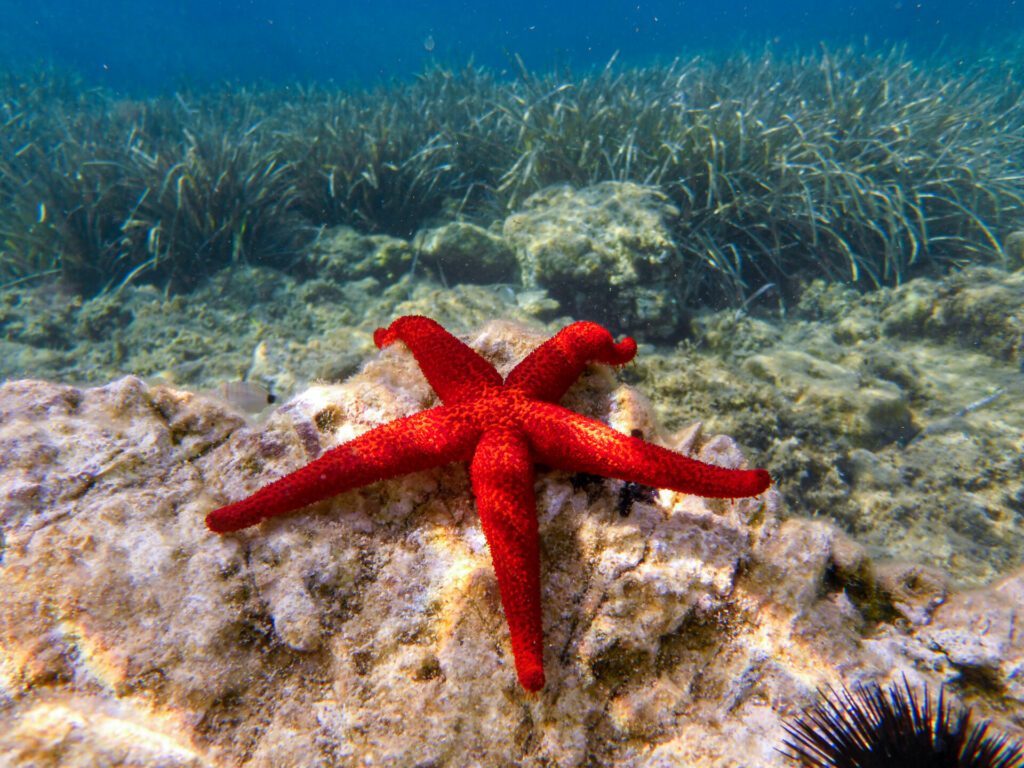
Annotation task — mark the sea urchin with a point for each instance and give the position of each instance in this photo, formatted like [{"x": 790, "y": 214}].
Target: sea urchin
[{"x": 872, "y": 727}]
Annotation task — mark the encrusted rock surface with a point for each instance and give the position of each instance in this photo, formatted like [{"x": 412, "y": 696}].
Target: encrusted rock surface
[
  {"x": 981, "y": 307},
  {"x": 871, "y": 415},
  {"x": 368, "y": 629},
  {"x": 605, "y": 251},
  {"x": 343, "y": 253},
  {"x": 465, "y": 252},
  {"x": 891, "y": 413}
]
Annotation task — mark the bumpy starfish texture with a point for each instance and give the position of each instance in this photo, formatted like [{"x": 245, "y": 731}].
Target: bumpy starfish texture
[{"x": 502, "y": 428}]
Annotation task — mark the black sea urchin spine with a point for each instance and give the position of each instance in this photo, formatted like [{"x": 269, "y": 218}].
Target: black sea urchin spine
[{"x": 872, "y": 727}]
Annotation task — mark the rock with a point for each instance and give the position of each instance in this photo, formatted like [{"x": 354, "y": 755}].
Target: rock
[
  {"x": 914, "y": 589},
  {"x": 342, "y": 254},
  {"x": 604, "y": 252},
  {"x": 871, "y": 414},
  {"x": 368, "y": 629},
  {"x": 536, "y": 303},
  {"x": 1013, "y": 247},
  {"x": 826, "y": 412},
  {"x": 466, "y": 253},
  {"x": 39, "y": 318},
  {"x": 101, "y": 316},
  {"x": 977, "y": 631},
  {"x": 84, "y": 731},
  {"x": 982, "y": 308}
]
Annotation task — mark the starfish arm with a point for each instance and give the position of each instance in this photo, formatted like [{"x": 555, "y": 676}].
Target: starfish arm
[
  {"x": 548, "y": 371},
  {"x": 454, "y": 370},
  {"x": 566, "y": 440},
  {"x": 502, "y": 477},
  {"x": 421, "y": 441}
]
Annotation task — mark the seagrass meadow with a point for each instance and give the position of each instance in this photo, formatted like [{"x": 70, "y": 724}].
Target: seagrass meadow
[{"x": 852, "y": 165}]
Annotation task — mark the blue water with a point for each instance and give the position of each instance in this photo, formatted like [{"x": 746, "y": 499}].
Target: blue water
[{"x": 148, "y": 46}]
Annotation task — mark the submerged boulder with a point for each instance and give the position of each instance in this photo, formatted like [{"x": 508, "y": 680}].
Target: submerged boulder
[
  {"x": 342, "y": 254},
  {"x": 467, "y": 253},
  {"x": 605, "y": 252},
  {"x": 368, "y": 628}
]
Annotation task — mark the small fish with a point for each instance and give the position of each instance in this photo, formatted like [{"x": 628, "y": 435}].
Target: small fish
[
  {"x": 957, "y": 420},
  {"x": 246, "y": 396}
]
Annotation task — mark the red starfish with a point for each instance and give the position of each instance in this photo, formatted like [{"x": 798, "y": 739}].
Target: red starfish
[{"x": 502, "y": 429}]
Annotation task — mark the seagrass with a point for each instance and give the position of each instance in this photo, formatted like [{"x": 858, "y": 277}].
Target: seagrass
[{"x": 853, "y": 165}]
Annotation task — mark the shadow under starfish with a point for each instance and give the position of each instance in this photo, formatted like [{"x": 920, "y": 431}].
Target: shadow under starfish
[{"x": 502, "y": 428}]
